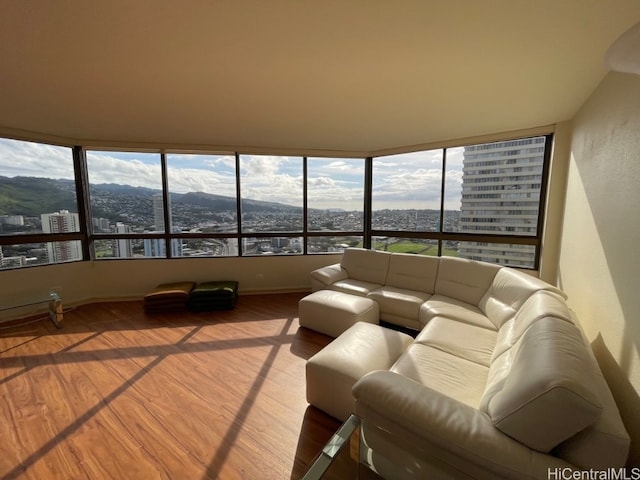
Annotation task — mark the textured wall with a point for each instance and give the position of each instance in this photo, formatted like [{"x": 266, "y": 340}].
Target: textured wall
[{"x": 599, "y": 263}]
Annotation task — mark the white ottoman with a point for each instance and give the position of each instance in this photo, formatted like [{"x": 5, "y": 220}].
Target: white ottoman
[
  {"x": 331, "y": 313},
  {"x": 332, "y": 372}
]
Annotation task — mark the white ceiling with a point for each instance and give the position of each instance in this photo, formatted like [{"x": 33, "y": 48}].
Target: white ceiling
[{"x": 342, "y": 75}]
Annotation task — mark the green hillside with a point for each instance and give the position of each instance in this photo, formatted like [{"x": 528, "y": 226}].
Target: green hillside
[{"x": 32, "y": 196}]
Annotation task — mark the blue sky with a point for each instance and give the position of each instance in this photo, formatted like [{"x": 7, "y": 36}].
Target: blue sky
[{"x": 400, "y": 181}]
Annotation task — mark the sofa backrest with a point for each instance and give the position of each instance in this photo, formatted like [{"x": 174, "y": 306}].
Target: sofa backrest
[
  {"x": 539, "y": 305},
  {"x": 545, "y": 388},
  {"x": 509, "y": 289},
  {"x": 413, "y": 272},
  {"x": 464, "y": 280},
  {"x": 540, "y": 390},
  {"x": 366, "y": 265}
]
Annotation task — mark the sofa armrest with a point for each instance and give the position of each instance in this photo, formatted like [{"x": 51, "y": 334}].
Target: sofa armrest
[
  {"x": 325, "y": 276},
  {"x": 441, "y": 429}
]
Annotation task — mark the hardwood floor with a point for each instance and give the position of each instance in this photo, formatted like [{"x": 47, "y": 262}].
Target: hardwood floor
[{"x": 117, "y": 393}]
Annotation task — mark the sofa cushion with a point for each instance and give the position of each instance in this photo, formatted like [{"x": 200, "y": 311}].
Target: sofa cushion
[
  {"x": 465, "y": 280},
  {"x": 451, "y": 375},
  {"x": 540, "y": 391},
  {"x": 399, "y": 303},
  {"x": 442, "y": 306},
  {"x": 366, "y": 265},
  {"x": 508, "y": 291},
  {"x": 168, "y": 297},
  {"x": 539, "y": 305},
  {"x": 412, "y": 272},
  {"x": 332, "y": 372},
  {"x": 331, "y": 312},
  {"x": 354, "y": 287},
  {"x": 323, "y": 277},
  {"x": 460, "y": 339}
]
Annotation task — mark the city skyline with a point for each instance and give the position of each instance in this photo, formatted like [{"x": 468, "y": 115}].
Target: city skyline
[{"x": 493, "y": 187}]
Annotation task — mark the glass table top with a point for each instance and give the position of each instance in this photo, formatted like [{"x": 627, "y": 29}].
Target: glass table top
[{"x": 339, "y": 459}]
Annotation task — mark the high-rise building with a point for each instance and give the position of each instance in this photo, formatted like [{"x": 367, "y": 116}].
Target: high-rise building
[
  {"x": 62, "y": 222},
  {"x": 100, "y": 224},
  {"x": 156, "y": 247},
  {"x": 17, "y": 220},
  {"x": 158, "y": 212},
  {"x": 123, "y": 245},
  {"x": 501, "y": 185}
]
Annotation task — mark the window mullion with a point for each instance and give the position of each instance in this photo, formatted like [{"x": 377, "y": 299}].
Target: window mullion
[
  {"x": 368, "y": 192},
  {"x": 166, "y": 204},
  {"x": 82, "y": 198},
  {"x": 239, "y": 206},
  {"x": 305, "y": 217},
  {"x": 443, "y": 182}
]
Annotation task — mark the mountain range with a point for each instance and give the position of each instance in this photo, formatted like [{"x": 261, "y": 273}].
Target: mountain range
[{"x": 32, "y": 196}]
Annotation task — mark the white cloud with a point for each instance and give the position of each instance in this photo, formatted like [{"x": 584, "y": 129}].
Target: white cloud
[
  {"x": 414, "y": 180},
  {"x": 18, "y": 158},
  {"x": 320, "y": 182},
  {"x": 335, "y": 183},
  {"x": 136, "y": 169},
  {"x": 339, "y": 167},
  {"x": 184, "y": 180},
  {"x": 400, "y": 181},
  {"x": 325, "y": 192},
  {"x": 143, "y": 170},
  {"x": 453, "y": 190},
  {"x": 260, "y": 166},
  {"x": 271, "y": 178},
  {"x": 226, "y": 161},
  {"x": 455, "y": 156}
]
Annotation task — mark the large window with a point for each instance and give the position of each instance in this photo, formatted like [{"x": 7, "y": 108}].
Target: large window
[
  {"x": 406, "y": 193},
  {"x": 203, "y": 193},
  {"x": 271, "y": 192},
  {"x": 480, "y": 201},
  {"x": 203, "y": 203},
  {"x": 39, "y": 220},
  {"x": 126, "y": 197},
  {"x": 335, "y": 203},
  {"x": 409, "y": 203},
  {"x": 490, "y": 201},
  {"x": 126, "y": 192},
  {"x": 335, "y": 190},
  {"x": 501, "y": 191}
]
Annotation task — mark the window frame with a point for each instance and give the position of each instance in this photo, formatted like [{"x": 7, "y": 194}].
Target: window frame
[
  {"x": 442, "y": 235},
  {"x": 88, "y": 237},
  {"x": 41, "y": 237}
]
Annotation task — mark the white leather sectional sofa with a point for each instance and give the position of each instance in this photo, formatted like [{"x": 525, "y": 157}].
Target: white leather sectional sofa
[{"x": 499, "y": 381}]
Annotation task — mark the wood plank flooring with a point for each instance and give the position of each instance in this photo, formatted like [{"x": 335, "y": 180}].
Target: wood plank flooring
[{"x": 120, "y": 394}]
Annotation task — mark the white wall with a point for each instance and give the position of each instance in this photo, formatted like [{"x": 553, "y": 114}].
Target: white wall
[
  {"x": 82, "y": 282},
  {"x": 599, "y": 265}
]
